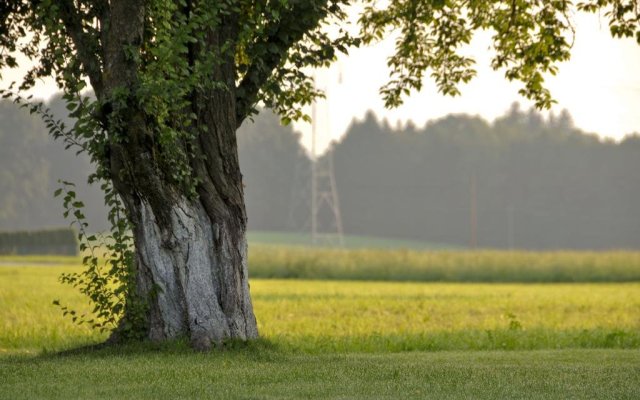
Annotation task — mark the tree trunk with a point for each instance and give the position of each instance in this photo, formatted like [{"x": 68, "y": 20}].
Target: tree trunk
[
  {"x": 193, "y": 272},
  {"x": 191, "y": 249}
]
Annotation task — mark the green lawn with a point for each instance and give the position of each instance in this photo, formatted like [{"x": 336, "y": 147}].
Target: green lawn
[
  {"x": 261, "y": 373},
  {"x": 342, "y": 339}
]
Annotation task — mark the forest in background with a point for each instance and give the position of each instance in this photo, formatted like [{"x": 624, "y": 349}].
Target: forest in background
[
  {"x": 535, "y": 183},
  {"x": 523, "y": 181}
]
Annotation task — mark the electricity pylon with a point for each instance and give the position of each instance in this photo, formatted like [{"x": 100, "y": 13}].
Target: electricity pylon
[{"x": 324, "y": 195}]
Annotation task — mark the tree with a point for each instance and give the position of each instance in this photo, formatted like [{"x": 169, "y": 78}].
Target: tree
[{"x": 173, "y": 80}]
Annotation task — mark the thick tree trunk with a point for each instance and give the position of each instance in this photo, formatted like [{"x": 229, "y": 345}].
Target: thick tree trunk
[
  {"x": 193, "y": 272},
  {"x": 191, "y": 249}
]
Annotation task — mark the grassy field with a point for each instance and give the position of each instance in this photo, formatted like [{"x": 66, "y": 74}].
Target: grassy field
[
  {"x": 320, "y": 316},
  {"x": 442, "y": 265},
  {"x": 297, "y": 262},
  {"x": 343, "y": 339}
]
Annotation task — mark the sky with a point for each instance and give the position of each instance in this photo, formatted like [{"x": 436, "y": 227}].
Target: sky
[{"x": 599, "y": 86}]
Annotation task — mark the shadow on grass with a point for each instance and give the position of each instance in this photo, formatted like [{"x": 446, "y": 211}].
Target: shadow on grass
[
  {"x": 280, "y": 347},
  {"x": 258, "y": 350}
]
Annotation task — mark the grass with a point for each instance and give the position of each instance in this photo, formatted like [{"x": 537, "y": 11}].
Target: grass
[
  {"x": 344, "y": 316},
  {"x": 443, "y": 266},
  {"x": 297, "y": 262},
  {"x": 342, "y": 339},
  {"x": 319, "y": 316},
  {"x": 29, "y": 322},
  {"x": 257, "y": 372}
]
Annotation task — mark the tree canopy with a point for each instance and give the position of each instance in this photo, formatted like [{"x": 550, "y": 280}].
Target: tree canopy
[{"x": 274, "y": 44}]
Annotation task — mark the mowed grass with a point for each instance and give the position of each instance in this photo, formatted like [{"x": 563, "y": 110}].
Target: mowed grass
[
  {"x": 256, "y": 372},
  {"x": 342, "y": 339},
  {"x": 338, "y": 316}
]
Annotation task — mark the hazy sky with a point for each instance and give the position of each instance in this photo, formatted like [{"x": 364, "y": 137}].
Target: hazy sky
[{"x": 600, "y": 87}]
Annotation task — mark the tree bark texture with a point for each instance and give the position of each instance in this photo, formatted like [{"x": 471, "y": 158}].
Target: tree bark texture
[
  {"x": 191, "y": 251},
  {"x": 194, "y": 271}
]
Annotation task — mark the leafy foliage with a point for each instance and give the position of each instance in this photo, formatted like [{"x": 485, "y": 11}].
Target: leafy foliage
[
  {"x": 110, "y": 287},
  {"x": 529, "y": 39}
]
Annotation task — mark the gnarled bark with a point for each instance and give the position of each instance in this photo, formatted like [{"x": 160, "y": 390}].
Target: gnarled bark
[
  {"x": 191, "y": 251},
  {"x": 193, "y": 271}
]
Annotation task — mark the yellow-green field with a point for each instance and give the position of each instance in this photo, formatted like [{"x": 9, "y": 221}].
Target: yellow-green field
[
  {"x": 349, "y": 339},
  {"x": 319, "y": 316}
]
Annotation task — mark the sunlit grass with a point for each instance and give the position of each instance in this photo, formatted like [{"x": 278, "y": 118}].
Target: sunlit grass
[
  {"x": 29, "y": 322},
  {"x": 381, "y": 316},
  {"x": 319, "y": 316}
]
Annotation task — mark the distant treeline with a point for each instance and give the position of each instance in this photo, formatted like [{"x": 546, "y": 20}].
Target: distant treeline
[
  {"x": 60, "y": 241},
  {"x": 31, "y": 163},
  {"x": 522, "y": 182}
]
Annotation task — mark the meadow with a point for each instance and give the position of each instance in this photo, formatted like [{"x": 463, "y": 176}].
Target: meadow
[
  {"x": 346, "y": 338},
  {"x": 267, "y": 261}
]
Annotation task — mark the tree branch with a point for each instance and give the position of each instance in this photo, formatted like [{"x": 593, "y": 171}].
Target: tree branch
[
  {"x": 271, "y": 50},
  {"x": 86, "y": 45}
]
